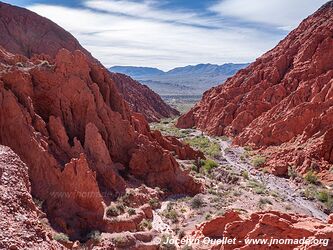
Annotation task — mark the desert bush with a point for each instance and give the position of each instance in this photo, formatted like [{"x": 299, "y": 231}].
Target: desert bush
[
  {"x": 258, "y": 160},
  {"x": 208, "y": 216},
  {"x": 112, "y": 211},
  {"x": 264, "y": 201},
  {"x": 120, "y": 241},
  {"x": 292, "y": 173},
  {"x": 171, "y": 215},
  {"x": 208, "y": 165},
  {"x": 154, "y": 203},
  {"x": 323, "y": 195},
  {"x": 311, "y": 178},
  {"x": 197, "y": 202},
  {"x": 224, "y": 138},
  {"x": 61, "y": 237},
  {"x": 95, "y": 236},
  {"x": 256, "y": 186},
  {"x": 131, "y": 211},
  {"x": 204, "y": 144},
  {"x": 145, "y": 224},
  {"x": 245, "y": 175}
]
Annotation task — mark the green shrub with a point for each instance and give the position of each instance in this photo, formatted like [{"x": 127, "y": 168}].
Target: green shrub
[
  {"x": 258, "y": 160},
  {"x": 120, "y": 241},
  {"x": 204, "y": 144},
  {"x": 309, "y": 193},
  {"x": 171, "y": 215},
  {"x": 95, "y": 236},
  {"x": 224, "y": 138},
  {"x": 264, "y": 201},
  {"x": 208, "y": 165},
  {"x": 292, "y": 174},
  {"x": 120, "y": 207},
  {"x": 131, "y": 211},
  {"x": 323, "y": 196},
  {"x": 245, "y": 175},
  {"x": 197, "y": 202},
  {"x": 145, "y": 224},
  {"x": 257, "y": 187},
  {"x": 208, "y": 216},
  {"x": 311, "y": 178},
  {"x": 154, "y": 203},
  {"x": 61, "y": 237},
  {"x": 112, "y": 211}
]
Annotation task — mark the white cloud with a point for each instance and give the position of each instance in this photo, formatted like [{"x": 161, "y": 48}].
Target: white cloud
[
  {"x": 117, "y": 39},
  {"x": 285, "y": 14},
  {"x": 149, "y": 10}
]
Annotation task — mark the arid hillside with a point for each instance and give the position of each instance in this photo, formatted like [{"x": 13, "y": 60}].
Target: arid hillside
[
  {"x": 26, "y": 33},
  {"x": 282, "y": 103}
]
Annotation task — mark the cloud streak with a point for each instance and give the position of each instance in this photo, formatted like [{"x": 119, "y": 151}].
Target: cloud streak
[
  {"x": 284, "y": 14},
  {"x": 142, "y": 34}
]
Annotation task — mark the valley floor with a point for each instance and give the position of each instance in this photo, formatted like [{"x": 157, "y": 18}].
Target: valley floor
[{"x": 234, "y": 180}]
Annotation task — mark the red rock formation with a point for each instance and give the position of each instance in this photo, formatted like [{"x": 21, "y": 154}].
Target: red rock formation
[
  {"x": 266, "y": 225},
  {"x": 284, "y": 100},
  {"x": 19, "y": 226},
  {"x": 66, "y": 120},
  {"x": 142, "y": 99},
  {"x": 26, "y": 33}
]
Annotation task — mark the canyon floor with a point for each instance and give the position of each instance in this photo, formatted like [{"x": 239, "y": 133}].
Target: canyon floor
[{"x": 234, "y": 180}]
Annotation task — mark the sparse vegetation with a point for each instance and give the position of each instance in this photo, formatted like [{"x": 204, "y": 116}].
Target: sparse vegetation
[
  {"x": 61, "y": 237},
  {"x": 208, "y": 165},
  {"x": 131, "y": 211},
  {"x": 258, "y": 161},
  {"x": 208, "y": 216},
  {"x": 323, "y": 196},
  {"x": 167, "y": 127},
  {"x": 38, "y": 203},
  {"x": 224, "y": 138},
  {"x": 197, "y": 202},
  {"x": 154, "y": 203},
  {"x": 257, "y": 187},
  {"x": 311, "y": 178},
  {"x": 208, "y": 147},
  {"x": 95, "y": 236},
  {"x": 112, "y": 211},
  {"x": 120, "y": 241},
  {"x": 145, "y": 224},
  {"x": 245, "y": 175},
  {"x": 292, "y": 173},
  {"x": 263, "y": 201}
]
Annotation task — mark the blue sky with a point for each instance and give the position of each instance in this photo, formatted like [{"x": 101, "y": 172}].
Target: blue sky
[{"x": 172, "y": 33}]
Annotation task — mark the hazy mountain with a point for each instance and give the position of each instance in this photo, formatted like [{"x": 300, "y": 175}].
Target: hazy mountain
[
  {"x": 136, "y": 71},
  {"x": 188, "y": 80}
]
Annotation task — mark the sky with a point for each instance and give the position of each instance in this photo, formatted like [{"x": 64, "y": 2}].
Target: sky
[{"x": 173, "y": 33}]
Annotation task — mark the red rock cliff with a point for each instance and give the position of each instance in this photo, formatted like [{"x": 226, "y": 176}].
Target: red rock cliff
[
  {"x": 20, "y": 228},
  {"x": 63, "y": 115},
  {"x": 266, "y": 225},
  {"x": 284, "y": 100},
  {"x": 26, "y": 33},
  {"x": 142, "y": 99}
]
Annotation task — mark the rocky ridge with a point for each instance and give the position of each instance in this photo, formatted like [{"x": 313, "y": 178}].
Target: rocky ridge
[
  {"x": 18, "y": 209},
  {"x": 266, "y": 225},
  {"x": 282, "y": 103},
  {"x": 66, "y": 120},
  {"x": 26, "y": 33}
]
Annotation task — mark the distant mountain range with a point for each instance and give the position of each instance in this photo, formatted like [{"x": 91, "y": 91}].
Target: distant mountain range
[{"x": 188, "y": 80}]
